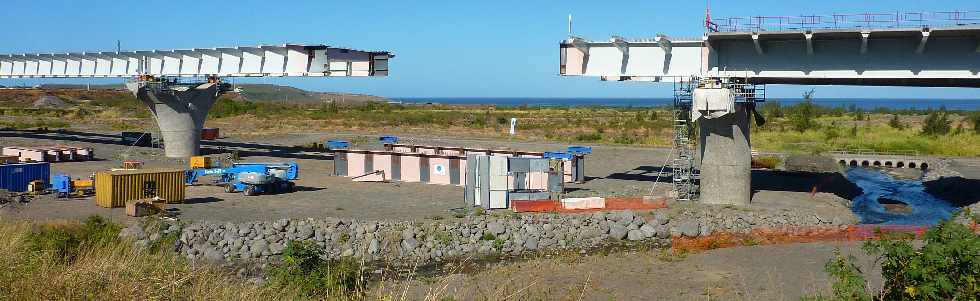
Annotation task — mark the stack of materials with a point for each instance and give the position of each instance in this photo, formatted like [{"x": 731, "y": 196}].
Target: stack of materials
[
  {"x": 50, "y": 153},
  {"x": 16, "y": 177},
  {"x": 145, "y": 207},
  {"x": 492, "y": 182},
  {"x": 114, "y": 188},
  {"x": 574, "y": 157},
  {"x": 404, "y": 167}
]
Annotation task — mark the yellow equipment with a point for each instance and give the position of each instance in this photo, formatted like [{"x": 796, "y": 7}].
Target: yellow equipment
[
  {"x": 36, "y": 187},
  {"x": 201, "y": 162}
]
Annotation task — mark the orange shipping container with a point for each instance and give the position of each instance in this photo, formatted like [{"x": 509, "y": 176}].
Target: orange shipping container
[{"x": 114, "y": 188}]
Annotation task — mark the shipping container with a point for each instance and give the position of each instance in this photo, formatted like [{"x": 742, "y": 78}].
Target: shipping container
[
  {"x": 114, "y": 188},
  {"x": 15, "y": 177},
  {"x": 209, "y": 134}
]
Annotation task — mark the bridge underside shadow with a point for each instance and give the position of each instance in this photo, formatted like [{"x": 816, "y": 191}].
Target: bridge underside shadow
[
  {"x": 244, "y": 149},
  {"x": 802, "y": 181}
]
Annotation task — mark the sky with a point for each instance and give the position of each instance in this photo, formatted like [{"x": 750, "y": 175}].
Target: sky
[{"x": 456, "y": 48}]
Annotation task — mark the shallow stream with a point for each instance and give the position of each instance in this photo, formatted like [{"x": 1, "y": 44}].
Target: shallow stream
[{"x": 922, "y": 207}]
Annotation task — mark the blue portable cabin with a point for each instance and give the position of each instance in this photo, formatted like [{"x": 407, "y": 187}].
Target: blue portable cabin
[{"x": 15, "y": 177}]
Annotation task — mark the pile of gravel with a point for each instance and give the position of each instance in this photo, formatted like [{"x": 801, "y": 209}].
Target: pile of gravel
[
  {"x": 409, "y": 243},
  {"x": 49, "y": 101}
]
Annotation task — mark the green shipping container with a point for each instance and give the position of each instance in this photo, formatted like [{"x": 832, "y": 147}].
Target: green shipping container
[{"x": 114, "y": 188}]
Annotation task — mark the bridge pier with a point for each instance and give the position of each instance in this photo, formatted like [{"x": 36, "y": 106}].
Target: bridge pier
[
  {"x": 725, "y": 155},
  {"x": 180, "y": 111},
  {"x": 726, "y": 158}
]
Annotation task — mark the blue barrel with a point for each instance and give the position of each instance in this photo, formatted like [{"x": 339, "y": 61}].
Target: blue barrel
[
  {"x": 388, "y": 139},
  {"x": 15, "y": 177},
  {"x": 580, "y": 150},
  {"x": 337, "y": 144}
]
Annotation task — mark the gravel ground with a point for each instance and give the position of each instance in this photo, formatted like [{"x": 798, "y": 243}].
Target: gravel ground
[
  {"x": 773, "y": 272},
  {"x": 611, "y": 171}
]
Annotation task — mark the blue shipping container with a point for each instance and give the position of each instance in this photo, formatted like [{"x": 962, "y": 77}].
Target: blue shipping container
[{"x": 15, "y": 177}]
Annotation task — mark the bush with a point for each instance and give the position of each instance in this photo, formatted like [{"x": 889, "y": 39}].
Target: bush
[
  {"x": 805, "y": 114},
  {"x": 945, "y": 267},
  {"x": 975, "y": 120},
  {"x": 937, "y": 123},
  {"x": 591, "y": 137},
  {"x": 65, "y": 241},
  {"x": 304, "y": 269},
  {"x": 895, "y": 123}
]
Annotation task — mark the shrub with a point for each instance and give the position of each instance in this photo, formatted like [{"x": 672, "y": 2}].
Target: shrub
[
  {"x": 945, "y": 267},
  {"x": 803, "y": 119},
  {"x": 303, "y": 268},
  {"x": 975, "y": 120},
  {"x": 937, "y": 123},
  {"x": 590, "y": 137},
  {"x": 895, "y": 123},
  {"x": 65, "y": 241}
]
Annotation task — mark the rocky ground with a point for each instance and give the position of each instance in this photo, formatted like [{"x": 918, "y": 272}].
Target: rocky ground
[{"x": 468, "y": 236}]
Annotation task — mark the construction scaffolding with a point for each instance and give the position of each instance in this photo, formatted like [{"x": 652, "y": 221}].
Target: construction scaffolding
[{"x": 684, "y": 172}]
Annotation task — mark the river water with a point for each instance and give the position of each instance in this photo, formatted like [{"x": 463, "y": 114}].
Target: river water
[{"x": 926, "y": 209}]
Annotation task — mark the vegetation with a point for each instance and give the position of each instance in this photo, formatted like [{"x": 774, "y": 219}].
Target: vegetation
[
  {"x": 84, "y": 260},
  {"x": 303, "y": 269},
  {"x": 803, "y": 119},
  {"x": 800, "y": 128},
  {"x": 945, "y": 267},
  {"x": 936, "y": 124}
]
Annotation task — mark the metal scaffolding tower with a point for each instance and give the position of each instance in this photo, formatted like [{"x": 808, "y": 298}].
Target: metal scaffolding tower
[{"x": 683, "y": 170}]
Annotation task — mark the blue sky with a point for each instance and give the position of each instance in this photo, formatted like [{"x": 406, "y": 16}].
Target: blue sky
[{"x": 443, "y": 48}]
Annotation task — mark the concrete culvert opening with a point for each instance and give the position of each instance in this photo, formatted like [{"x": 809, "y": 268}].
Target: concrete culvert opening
[
  {"x": 854, "y": 163},
  {"x": 911, "y": 164},
  {"x": 842, "y": 163},
  {"x": 900, "y": 164},
  {"x": 888, "y": 164},
  {"x": 924, "y": 166},
  {"x": 865, "y": 163},
  {"x": 877, "y": 163}
]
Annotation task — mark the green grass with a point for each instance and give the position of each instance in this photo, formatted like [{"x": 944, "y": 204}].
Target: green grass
[{"x": 876, "y": 135}]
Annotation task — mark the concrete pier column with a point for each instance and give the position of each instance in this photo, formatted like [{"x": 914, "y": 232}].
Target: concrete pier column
[
  {"x": 726, "y": 158},
  {"x": 180, "y": 110}
]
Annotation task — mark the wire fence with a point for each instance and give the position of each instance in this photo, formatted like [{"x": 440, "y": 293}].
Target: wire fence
[{"x": 845, "y": 21}]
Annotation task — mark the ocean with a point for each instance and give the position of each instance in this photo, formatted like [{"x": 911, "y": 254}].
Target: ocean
[{"x": 863, "y": 103}]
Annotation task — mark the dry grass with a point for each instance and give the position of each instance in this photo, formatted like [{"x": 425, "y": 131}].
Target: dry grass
[{"x": 115, "y": 271}]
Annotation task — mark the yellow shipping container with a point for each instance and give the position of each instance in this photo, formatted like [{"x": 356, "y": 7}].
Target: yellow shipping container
[{"x": 114, "y": 188}]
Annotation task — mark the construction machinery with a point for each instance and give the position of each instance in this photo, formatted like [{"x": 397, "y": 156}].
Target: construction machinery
[
  {"x": 64, "y": 186},
  {"x": 251, "y": 178}
]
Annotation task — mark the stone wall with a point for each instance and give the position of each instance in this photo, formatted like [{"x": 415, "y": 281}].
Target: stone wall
[{"x": 483, "y": 235}]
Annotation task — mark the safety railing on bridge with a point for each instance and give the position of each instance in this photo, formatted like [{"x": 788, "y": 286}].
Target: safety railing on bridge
[{"x": 845, "y": 21}]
